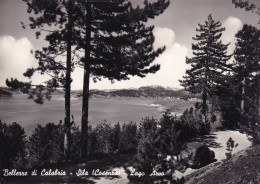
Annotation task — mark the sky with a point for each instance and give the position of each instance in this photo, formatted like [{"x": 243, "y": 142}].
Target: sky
[{"x": 173, "y": 29}]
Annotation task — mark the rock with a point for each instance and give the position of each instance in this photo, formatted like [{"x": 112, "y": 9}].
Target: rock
[{"x": 202, "y": 157}]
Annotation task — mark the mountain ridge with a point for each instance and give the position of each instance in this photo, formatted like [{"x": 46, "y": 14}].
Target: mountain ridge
[{"x": 144, "y": 91}]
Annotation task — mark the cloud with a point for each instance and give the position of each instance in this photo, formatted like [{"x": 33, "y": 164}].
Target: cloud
[
  {"x": 163, "y": 37},
  {"x": 232, "y": 25},
  {"x": 15, "y": 57},
  {"x": 172, "y": 62},
  {"x": 173, "y": 65}
]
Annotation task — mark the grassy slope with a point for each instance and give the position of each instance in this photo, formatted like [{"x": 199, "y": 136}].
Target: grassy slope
[{"x": 241, "y": 168}]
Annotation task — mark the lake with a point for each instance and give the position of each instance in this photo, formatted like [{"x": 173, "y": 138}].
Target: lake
[
  {"x": 112, "y": 110},
  {"x": 26, "y": 112}
]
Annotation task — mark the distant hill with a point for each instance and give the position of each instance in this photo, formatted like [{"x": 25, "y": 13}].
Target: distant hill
[
  {"x": 5, "y": 92},
  {"x": 146, "y": 91}
]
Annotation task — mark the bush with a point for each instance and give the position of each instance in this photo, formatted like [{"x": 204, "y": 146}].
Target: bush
[
  {"x": 251, "y": 126},
  {"x": 158, "y": 141},
  {"x": 147, "y": 156},
  {"x": 115, "y": 137},
  {"x": 192, "y": 125},
  {"x": 230, "y": 145},
  {"x": 46, "y": 144},
  {"x": 100, "y": 139},
  {"x": 105, "y": 139},
  {"x": 230, "y": 116},
  {"x": 12, "y": 146},
  {"x": 203, "y": 156},
  {"x": 128, "y": 137}
]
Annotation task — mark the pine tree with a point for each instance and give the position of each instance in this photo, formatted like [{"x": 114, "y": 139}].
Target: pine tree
[
  {"x": 246, "y": 68},
  {"x": 54, "y": 19},
  {"x": 117, "y": 44},
  {"x": 209, "y": 63},
  {"x": 247, "y": 78}
]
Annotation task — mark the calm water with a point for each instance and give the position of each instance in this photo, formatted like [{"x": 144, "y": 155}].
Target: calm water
[{"x": 112, "y": 110}]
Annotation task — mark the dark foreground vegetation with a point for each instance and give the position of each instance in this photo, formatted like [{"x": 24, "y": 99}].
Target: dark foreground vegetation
[
  {"x": 151, "y": 145},
  {"x": 46, "y": 144},
  {"x": 45, "y": 147}
]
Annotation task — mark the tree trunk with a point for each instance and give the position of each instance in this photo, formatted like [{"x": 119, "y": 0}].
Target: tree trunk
[
  {"x": 258, "y": 99},
  {"x": 242, "y": 105},
  {"x": 85, "y": 103},
  {"x": 204, "y": 104},
  {"x": 67, "y": 136}
]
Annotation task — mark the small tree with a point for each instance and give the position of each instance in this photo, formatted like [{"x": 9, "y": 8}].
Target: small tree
[
  {"x": 146, "y": 158},
  {"x": 102, "y": 136},
  {"x": 128, "y": 137},
  {"x": 12, "y": 146},
  {"x": 230, "y": 145},
  {"x": 191, "y": 123},
  {"x": 115, "y": 137},
  {"x": 46, "y": 144},
  {"x": 159, "y": 142}
]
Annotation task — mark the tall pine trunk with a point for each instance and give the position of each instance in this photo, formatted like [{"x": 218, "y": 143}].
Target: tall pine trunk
[
  {"x": 67, "y": 135},
  {"x": 85, "y": 103},
  {"x": 242, "y": 105},
  {"x": 204, "y": 104},
  {"x": 258, "y": 99}
]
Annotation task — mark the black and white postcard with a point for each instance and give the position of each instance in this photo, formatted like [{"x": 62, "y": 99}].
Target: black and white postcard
[{"x": 130, "y": 91}]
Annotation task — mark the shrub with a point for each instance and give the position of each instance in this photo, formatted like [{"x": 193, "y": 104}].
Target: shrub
[
  {"x": 192, "y": 124},
  {"x": 128, "y": 137},
  {"x": 147, "y": 156},
  {"x": 105, "y": 139},
  {"x": 12, "y": 146},
  {"x": 230, "y": 145},
  {"x": 203, "y": 156},
  {"x": 251, "y": 126},
  {"x": 115, "y": 137},
  {"x": 101, "y": 139},
  {"x": 158, "y": 141},
  {"x": 46, "y": 144},
  {"x": 230, "y": 115}
]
